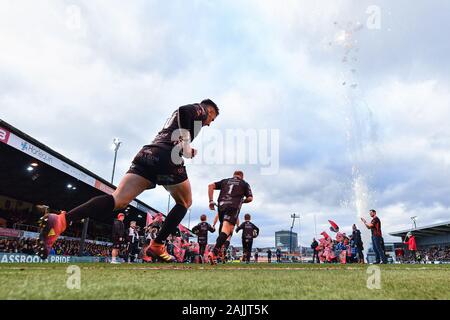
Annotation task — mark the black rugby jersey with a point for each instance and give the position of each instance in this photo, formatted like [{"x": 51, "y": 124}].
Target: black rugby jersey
[
  {"x": 201, "y": 230},
  {"x": 232, "y": 192},
  {"x": 189, "y": 117},
  {"x": 247, "y": 230}
]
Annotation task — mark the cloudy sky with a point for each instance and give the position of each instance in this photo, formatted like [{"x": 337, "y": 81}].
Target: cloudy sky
[{"x": 358, "y": 92}]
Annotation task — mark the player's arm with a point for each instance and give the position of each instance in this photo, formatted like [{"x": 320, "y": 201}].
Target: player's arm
[
  {"x": 211, "y": 228},
  {"x": 239, "y": 228},
  {"x": 255, "y": 228},
  {"x": 186, "y": 118},
  {"x": 211, "y": 187},
  {"x": 368, "y": 225},
  {"x": 248, "y": 194}
]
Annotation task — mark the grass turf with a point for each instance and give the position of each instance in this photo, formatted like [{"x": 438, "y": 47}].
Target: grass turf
[{"x": 232, "y": 281}]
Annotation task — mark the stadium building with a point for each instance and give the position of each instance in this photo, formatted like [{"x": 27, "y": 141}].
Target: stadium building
[
  {"x": 433, "y": 243},
  {"x": 286, "y": 240},
  {"x": 33, "y": 174},
  {"x": 431, "y": 235}
]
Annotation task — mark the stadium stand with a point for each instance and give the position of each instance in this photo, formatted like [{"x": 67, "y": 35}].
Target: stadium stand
[
  {"x": 433, "y": 242},
  {"x": 32, "y": 174}
]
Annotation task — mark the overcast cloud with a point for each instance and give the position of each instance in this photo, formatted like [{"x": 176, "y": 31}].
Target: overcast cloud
[{"x": 373, "y": 103}]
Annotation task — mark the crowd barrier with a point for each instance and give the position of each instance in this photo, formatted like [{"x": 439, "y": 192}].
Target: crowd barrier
[{"x": 25, "y": 258}]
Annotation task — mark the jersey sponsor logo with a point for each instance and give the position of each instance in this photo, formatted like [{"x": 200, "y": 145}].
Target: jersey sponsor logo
[{"x": 4, "y": 135}]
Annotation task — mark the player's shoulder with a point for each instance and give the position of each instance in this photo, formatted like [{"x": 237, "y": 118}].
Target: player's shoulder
[{"x": 195, "y": 108}]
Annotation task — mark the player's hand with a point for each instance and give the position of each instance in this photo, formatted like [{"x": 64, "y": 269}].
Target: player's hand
[
  {"x": 189, "y": 153},
  {"x": 212, "y": 205}
]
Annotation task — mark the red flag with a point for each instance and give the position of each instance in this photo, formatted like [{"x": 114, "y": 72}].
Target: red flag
[
  {"x": 184, "y": 230},
  {"x": 334, "y": 227},
  {"x": 158, "y": 217},
  {"x": 149, "y": 219},
  {"x": 325, "y": 235}
]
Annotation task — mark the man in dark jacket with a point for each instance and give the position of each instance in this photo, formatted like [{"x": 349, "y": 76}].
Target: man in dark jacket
[
  {"x": 314, "y": 245},
  {"x": 278, "y": 252},
  {"x": 118, "y": 236},
  {"x": 358, "y": 243},
  {"x": 269, "y": 256}
]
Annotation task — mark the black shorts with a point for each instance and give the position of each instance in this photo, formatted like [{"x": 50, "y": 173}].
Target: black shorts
[
  {"x": 154, "y": 163},
  {"x": 247, "y": 244},
  {"x": 117, "y": 244},
  {"x": 228, "y": 214}
]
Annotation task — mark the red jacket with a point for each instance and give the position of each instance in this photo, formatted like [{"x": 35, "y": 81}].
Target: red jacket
[{"x": 411, "y": 243}]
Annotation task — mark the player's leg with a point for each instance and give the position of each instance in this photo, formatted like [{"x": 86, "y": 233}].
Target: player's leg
[
  {"x": 202, "y": 251},
  {"x": 53, "y": 225},
  {"x": 227, "y": 229},
  {"x": 220, "y": 214},
  {"x": 114, "y": 254},
  {"x": 226, "y": 245},
  {"x": 245, "y": 252},
  {"x": 249, "y": 249},
  {"x": 182, "y": 195}
]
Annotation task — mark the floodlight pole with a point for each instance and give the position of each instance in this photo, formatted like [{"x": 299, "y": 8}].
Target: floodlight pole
[
  {"x": 83, "y": 236},
  {"x": 189, "y": 221},
  {"x": 168, "y": 204},
  {"x": 414, "y": 222},
  {"x": 293, "y": 216},
  {"x": 117, "y": 144}
]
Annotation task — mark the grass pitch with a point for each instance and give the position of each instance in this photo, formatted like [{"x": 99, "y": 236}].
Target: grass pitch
[{"x": 231, "y": 281}]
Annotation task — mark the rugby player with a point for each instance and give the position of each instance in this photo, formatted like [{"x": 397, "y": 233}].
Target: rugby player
[
  {"x": 233, "y": 193},
  {"x": 201, "y": 230},
  {"x": 249, "y": 231},
  {"x": 159, "y": 163},
  {"x": 227, "y": 243}
]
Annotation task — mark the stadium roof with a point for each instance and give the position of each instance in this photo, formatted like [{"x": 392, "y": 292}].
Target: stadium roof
[{"x": 426, "y": 231}]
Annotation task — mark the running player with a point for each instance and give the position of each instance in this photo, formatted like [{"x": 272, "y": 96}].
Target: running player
[
  {"x": 226, "y": 245},
  {"x": 201, "y": 230},
  {"x": 249, "y": 231},
  {"x": 233, "y": 193},
  {"x": 159, "y": 163}
]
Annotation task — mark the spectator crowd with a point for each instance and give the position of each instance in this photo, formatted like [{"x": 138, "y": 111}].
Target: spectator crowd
[{"x": 62, "y": 247}]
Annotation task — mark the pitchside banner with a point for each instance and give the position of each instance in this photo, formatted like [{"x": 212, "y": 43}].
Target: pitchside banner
[{"x": 25, "y": 258}]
